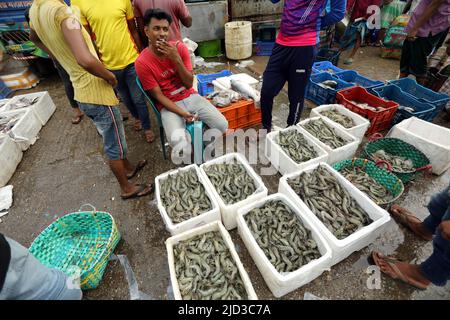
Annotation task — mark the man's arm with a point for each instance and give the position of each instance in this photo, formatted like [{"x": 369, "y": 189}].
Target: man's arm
[
  {"x": 187, "y": 21},
  {"x": 140, "y": 26},
  {"x": 134, "y": 32},
  {"x": 170, "y": 105},
  {"x": 429, "y": 11},
  {"x": 72, "y": 34},
  {"x": 336, "y": 13},
  {"x": 37, "y": 41}
]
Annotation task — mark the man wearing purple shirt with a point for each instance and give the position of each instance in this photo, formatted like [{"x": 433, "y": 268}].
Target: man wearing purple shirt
[
  {"x": 428, "y": 24},
  {"x": 294, "y": 52}
]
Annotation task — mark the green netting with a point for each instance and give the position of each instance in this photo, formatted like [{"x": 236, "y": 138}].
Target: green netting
[
  {"x": 399, "y": 147},
  {"x": 83, "y": 241},
  {"x": 383, "y": 177}
]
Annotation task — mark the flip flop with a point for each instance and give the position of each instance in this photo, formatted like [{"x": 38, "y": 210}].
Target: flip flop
[
  {"x": 77, "y": 119},
  {"x": 406, "y": 220},
  {"x": 141, "y": 164},
  {"x": 398, "y": 275},
  {"x": 140, "y": 192}
]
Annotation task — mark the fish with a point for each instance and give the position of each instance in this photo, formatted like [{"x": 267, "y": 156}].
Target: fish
[
  {"x": 340, "y": 118},
  {"x": 245, "y": 90},
  {"x": 184, "y": 196},
  {"x": 367, "y": 106},
  {"x": 223, "y": 98},
  {"x": 205, "y": 269},
  {"x": 231, "y": 181},
  {"x": 281, "y": 235},
  {"x": 330, "y": 202},
  {"x": 322, "y": 131},
  {"x": 7, "y": 123},
  {"x": 364, "y": 182},
  {"x": 23, "y": 102},
  {"x": 398, "y": 163},
  {"x": 296, "y": 146},
  {"x": 329, "y": 84},
  {"x": 408, "y": 109}
]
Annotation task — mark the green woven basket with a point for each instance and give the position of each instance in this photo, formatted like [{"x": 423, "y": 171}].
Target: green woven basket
[
  {"x": 80, "y": 242},
  {"x": 399, "y": 147},
  {"x": 383, "y": 177}
]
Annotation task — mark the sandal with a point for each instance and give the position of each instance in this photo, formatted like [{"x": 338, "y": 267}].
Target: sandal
[
  {"x": 77, "y": 119},
  {"x": 398, "y": 275},
  {"x": 141, "y": 164},
  {"x": 407, "y": 220},
  {"x": 143, "y": 190}
]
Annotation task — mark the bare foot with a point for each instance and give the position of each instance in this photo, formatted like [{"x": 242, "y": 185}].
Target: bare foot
[
  {"x": 410, "y": 221},
  {"x": 137, "y": 125},
  {"x": 149, "y": 136},
  {"x": 405, "y": 272}
]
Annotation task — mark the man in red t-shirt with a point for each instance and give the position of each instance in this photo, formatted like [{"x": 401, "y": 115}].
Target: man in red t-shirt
[{"x": 165, "y": 70}]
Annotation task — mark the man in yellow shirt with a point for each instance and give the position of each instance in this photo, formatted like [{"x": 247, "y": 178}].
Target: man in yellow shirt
[
  {"x": 112, "y": 27},
  {"x": 57, "y": 30}
]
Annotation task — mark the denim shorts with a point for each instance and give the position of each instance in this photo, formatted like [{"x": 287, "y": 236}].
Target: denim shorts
[{"x": 108, "y": 121}]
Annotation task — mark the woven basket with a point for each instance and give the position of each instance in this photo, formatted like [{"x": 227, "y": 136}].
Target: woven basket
[
  {"x": 79, "y": 242},
  {"x": 383, "y": 177},
  {"x": 399, "y": 147}
]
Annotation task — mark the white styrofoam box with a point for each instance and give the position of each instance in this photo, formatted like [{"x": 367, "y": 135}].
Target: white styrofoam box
[
  {"x": 361, "y": 124},
  {"x": 431, "y": 139},
  {"x": 43, "y": 108},
  {"x": 229, "y": 212},
  {"x": 281, "y": 160},
  {"x": 341, "y": 249},
  {"x": 26, "y": 129},
  {"x": 281, "y": 284},
  {"x": 204, "y": 218},
  {"x": 335, "y": 155},
  {"x": 10, "y": 157},
  {"x": 213, "y": 226}
]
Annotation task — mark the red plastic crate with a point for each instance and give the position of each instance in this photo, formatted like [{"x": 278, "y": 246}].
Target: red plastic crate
[
  {"x": 241, "y": 114},
  {"x": 379, "y": 120}
]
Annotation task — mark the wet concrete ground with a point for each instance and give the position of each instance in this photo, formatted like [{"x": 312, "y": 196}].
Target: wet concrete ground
[{"x": 66, "y": 168}]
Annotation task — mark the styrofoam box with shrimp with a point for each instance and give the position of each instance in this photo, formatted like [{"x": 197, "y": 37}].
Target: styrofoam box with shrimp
[{"x": 341, "y": 249}]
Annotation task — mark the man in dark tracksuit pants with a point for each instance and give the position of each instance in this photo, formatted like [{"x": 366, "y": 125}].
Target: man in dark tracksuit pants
[{"x": 294, "y": 52}]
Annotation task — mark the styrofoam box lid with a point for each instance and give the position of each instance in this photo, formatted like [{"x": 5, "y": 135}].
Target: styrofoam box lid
[
  {"x": 426, "y": 130},
  {"x": 225, "y": 81},
  {"x": 213, "y": 226}
]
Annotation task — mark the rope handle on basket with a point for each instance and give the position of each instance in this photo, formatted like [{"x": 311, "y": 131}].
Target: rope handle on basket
[
  {"x": 379, "y": 164},
  {"x": 375, "y": 137},
  {"x": 94, "y": 210},
  {"x": 427, "y": 168}
]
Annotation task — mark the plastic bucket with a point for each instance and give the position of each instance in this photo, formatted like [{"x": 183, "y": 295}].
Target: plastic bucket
[{"x": 238, "y": 40}]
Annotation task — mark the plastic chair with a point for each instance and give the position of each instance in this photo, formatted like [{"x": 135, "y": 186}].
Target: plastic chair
[
  {"x": 190, "y": 127},
  {"x": 162, "y": 135}
]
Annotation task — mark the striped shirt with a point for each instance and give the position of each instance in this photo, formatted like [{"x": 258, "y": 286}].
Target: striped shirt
[{"x": 302, "y": 20}]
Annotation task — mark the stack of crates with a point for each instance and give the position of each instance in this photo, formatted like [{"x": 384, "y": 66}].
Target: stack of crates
[{"x": 266, "y": 40}]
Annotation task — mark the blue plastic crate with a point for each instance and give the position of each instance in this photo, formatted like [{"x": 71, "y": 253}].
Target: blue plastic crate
[
  {"x": 205, "y": 85},
  {"x": 4, "y": 90},
  {"x": 321, "y": 95},
  {"x": 424, "y": 111},
  {"x": 413, "y": 89},
  {"x": 264, "y": 48},
  {"x": 326, "y": 66},
  {"x": 354, "y": 77}
]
